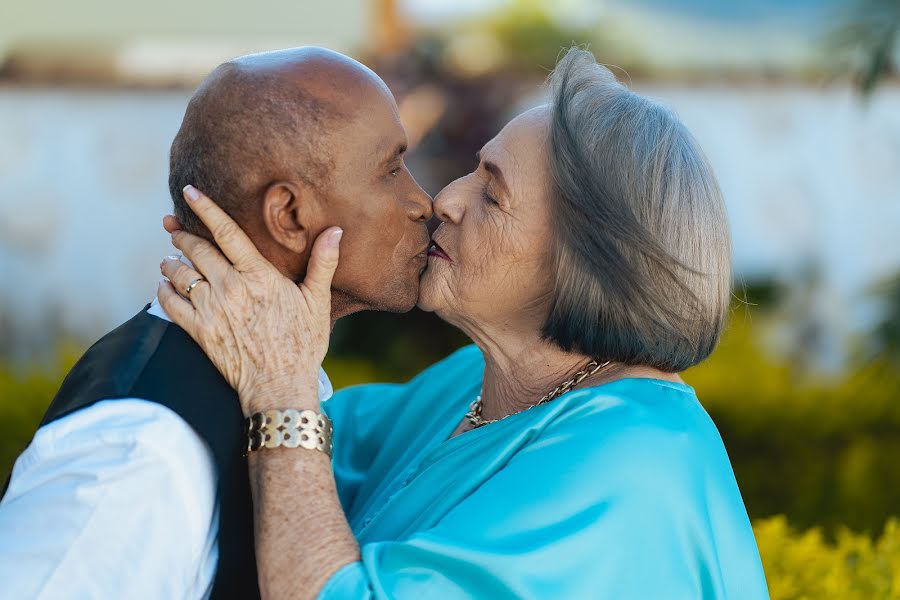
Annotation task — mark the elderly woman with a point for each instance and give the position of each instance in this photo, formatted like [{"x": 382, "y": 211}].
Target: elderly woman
[{"x": 560, "y": 456}]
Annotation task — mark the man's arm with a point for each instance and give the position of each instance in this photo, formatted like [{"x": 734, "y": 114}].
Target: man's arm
[{"x": 116, "y": 500}]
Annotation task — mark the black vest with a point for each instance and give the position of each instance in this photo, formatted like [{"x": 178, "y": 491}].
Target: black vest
[{"x": 153, "y": 359}]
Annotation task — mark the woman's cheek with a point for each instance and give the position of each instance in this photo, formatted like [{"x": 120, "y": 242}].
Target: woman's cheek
[{"x": 490, "y": 251}]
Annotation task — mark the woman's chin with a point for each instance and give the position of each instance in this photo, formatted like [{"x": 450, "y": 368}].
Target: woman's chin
[
  {"x": 425, "y": 300},
  {"x": 428, "y": 299}
]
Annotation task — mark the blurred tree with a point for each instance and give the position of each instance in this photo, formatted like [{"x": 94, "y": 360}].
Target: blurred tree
[
  {"x": 534, "y": 37},
  {"x": 766, "y": 292},
  {"x": 885, "y": 337},
  {"x": 869, "y": 38}
]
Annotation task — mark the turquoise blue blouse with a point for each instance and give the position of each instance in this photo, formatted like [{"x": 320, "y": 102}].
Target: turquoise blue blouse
[{"x": 618, "y": 491}]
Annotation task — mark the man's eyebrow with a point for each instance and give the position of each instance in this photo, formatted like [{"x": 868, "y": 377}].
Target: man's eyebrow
[
  {"x": 398, "y": 150},
  {"x": 494, "y": 170}
]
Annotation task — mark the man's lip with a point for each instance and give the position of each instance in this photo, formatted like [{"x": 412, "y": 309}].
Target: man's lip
[{"x": 436, "y": 250}]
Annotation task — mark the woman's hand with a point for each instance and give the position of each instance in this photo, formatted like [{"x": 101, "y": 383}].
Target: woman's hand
[{"x": 265, "y": 334}]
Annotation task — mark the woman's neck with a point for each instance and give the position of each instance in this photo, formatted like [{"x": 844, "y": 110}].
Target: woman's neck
[{"x": 519, "y": 370}]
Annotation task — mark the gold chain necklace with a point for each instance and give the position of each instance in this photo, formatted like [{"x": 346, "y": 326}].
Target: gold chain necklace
[{"x": 474, "y": 414}]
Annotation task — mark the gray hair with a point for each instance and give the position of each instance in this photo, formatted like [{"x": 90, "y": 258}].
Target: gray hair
[{"x": 642, "y": 245}]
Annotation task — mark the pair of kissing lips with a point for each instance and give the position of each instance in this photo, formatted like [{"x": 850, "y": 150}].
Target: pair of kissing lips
[{"x": 436, "y": 251}]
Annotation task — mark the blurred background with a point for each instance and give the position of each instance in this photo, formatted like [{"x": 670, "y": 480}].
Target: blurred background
[{"x": 797, "y": 105}]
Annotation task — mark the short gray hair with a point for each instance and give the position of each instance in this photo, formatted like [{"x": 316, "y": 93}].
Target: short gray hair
[{"x": 642, "y": 245}]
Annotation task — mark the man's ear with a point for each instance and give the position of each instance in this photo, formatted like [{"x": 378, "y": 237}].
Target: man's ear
[{"x": 287, "y": 211}]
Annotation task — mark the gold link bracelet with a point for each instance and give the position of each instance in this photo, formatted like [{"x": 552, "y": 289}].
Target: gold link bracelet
[{"x": 289, "y": 428}]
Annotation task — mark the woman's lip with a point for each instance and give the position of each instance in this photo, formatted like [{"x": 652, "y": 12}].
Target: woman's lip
[{"x": 437, "y": 251}]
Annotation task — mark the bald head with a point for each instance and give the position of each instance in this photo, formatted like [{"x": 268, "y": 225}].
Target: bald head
[{"x": 264, "y": 118}]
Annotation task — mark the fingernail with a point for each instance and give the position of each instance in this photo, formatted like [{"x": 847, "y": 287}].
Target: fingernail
[
  {"x": 173, "y": 257},
  {"x": 191, "y": 192},
  {"x": 335, "y": 238}
]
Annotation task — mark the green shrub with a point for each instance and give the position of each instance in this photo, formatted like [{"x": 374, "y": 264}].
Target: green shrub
[
  {"x": 805, "y": 566},
  {"x": 24, "y": 396},
  {"x": 823, "y": 450}
]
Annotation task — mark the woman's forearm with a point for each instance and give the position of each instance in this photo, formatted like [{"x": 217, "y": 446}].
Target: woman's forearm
[
  {"x": 302, "y": 535},
  {"x": 267, "y": 335}
]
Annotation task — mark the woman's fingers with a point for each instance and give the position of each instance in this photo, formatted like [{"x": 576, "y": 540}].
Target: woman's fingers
[
  {"x": 184, "y": 278},
  {"x": 206, "y": 258},
  {"x": 171, "y": 224},
  {"x": 323, "y": 261},
  {"x": 179, "y": 310},
  {"x": 228, "y": 235}
]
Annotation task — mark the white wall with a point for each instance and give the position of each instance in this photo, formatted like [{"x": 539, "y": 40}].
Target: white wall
[{"x": 806, "y": 172}]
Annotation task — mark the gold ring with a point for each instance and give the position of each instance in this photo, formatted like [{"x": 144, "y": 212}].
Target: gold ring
[{"x": 190, "y": 288}]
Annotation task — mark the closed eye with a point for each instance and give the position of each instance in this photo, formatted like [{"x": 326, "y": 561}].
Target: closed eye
[{"x": 487, "y": 197}]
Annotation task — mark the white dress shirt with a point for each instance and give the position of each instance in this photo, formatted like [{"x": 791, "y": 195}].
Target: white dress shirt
[{"x": 117, "y": 500}]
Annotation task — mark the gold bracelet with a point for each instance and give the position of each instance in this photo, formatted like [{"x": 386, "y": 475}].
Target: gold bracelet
[{"x": 287, "y": 428}]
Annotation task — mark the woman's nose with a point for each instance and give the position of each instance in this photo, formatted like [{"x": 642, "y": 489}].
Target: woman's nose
[{"x": 447, "y": 204}]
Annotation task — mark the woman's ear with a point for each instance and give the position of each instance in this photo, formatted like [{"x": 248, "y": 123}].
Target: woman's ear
[{"x": 286, "y": 213}]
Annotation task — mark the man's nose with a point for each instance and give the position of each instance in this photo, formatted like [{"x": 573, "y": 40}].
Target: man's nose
[{"x": 419, "y": 205}]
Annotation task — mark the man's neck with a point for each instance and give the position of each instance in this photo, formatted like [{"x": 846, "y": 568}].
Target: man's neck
[{"x": 343, "y": 305}]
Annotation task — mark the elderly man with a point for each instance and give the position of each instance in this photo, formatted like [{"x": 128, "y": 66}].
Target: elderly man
[{"x": 133, "y": 486}]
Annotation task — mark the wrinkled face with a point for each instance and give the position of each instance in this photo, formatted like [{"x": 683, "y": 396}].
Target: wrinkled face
[
  {"x": 490, "y": 265},
  {"x": 381, "y": 208}
]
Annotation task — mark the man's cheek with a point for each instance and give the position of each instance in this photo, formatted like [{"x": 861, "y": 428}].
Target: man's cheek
[
  {"x": 367, "y": 255},
  {"x": 352, "y": 259}
]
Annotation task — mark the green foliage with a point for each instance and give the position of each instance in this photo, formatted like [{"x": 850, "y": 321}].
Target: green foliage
[
  {"x": 24, "y": 396},
  {"x": 801, "y": 566},
  {"x": 871, "y": 30},
  {"x": 885, "y": 338},
  {"x": 531, "y": 34},
  {"x": 823, "y": 450}
]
